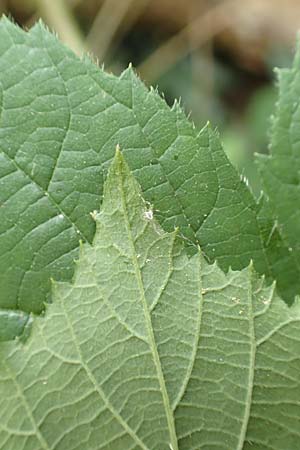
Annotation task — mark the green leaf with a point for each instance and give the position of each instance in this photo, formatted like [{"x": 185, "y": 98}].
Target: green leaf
[
  {"x": 13, "y": 323},
  {"x": 150, "y": 349},
  {"x": 61, "y": 119},
  {"x": 280, "y": 170}
]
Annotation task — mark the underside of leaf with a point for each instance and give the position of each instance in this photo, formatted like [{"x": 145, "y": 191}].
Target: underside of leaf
[{"x": 149, "y": 349}]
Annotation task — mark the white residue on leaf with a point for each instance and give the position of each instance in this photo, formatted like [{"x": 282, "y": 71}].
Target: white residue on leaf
[{"x": 148, "y": 214}]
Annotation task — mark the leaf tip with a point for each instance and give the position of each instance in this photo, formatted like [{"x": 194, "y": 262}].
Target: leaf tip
[
  {"x": 251, "y": 265},
  {"x": 118, "y": 150},
  {"x": 118, "y": 163}
]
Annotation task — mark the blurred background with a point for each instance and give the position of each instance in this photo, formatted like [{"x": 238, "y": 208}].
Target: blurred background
[{"x": 217, "y": 56}]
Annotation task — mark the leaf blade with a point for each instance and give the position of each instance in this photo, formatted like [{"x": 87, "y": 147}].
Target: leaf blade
[{"x": 280, "y": 169}]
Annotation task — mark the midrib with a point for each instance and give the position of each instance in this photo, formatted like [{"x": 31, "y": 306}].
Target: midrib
[
  {"x": 248, "y": 399},
  {"x": 160, "y": 376}
]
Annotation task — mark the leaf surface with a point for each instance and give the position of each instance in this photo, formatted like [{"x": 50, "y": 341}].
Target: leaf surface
[
  {"x": 61, "y": 119},
  {"x": 151, "y": 349},
  {"x": 280, "y": 170}
]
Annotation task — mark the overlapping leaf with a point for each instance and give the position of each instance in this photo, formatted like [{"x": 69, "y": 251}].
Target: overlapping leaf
[
  {"x": 60, "y": 121},
  {"x": 148, "y": 349}
]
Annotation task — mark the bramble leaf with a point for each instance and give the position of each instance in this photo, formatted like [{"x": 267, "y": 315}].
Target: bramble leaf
[
  {"x": 280, "y": 170},
  {"x": 149, "y": 349}
]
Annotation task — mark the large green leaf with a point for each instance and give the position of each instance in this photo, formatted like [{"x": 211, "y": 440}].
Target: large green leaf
[
  {"x": 61, "y": 118},
  {"x": 281, "y": 169},
  {"x": 149, "y": 349}
]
